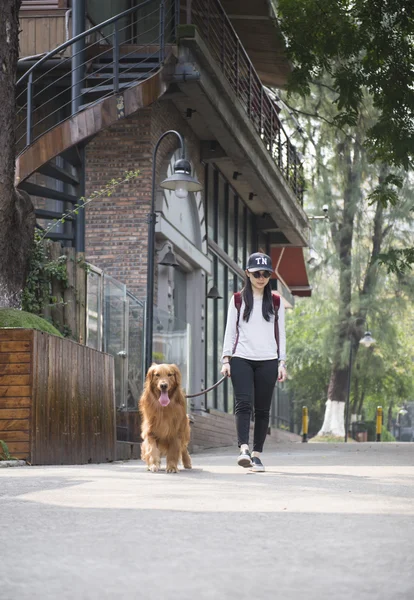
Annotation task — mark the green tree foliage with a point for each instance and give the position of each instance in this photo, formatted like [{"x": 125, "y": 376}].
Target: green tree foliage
[
  {"x": 351, "y": 291},
  {"x": 365, "y": 46},
  {"x": 366, "y": 49}
]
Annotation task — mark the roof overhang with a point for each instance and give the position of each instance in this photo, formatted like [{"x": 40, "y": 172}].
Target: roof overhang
[
  {"x": 290, "y": 268},
  {"x": 257, "y": 27}
]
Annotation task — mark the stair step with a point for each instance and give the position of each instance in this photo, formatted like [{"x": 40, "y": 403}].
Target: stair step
[
  {"x": 44, "y": 192},
  {"x": 52, "y": 170},
  {"x": 50, "y": 214},
  {"x": 121, "y": 76},
  {"x": 72, "y": 156},
  {"x": 128, "y": 65},
  {"x": 82, "y": 106},
  {"x": 107, "y": 88},
  {"x": 137, "y": 55}
]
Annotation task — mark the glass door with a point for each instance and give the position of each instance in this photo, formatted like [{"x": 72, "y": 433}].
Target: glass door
[{"x": 115, "y": 334}]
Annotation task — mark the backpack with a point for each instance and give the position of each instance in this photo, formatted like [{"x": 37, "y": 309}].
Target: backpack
[{"x": 276, "y": 304}]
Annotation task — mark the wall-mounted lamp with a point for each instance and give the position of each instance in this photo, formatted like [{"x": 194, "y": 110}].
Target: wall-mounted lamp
[
  {"x": 189, "y": 112},
  {"x": 169, "y": 259},
  {"x": 252, "y": 195},
  {"x": 213, "y": 293},
  {"x": 236, "y": 174}
]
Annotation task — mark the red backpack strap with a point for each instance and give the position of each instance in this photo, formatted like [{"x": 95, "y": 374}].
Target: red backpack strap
[
  {"x": 276, "y": 305},
  {"x": 237, "y": 302}
]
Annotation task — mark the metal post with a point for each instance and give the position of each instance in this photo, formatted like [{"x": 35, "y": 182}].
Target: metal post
[
  {"x": 349, "y": 392},
  {"x": 379, "y": 423},
  {"x": 261, "y": 111},
  {"x": 78, "y": 53},
  {"x": 305, "y": 423},
  {"x": 295, "y": 171},
  {"x": 29, "y": 116},
  {"x": 177, "y": 17},
  {"x": 188, "y": 12},
  {"x": 238, "y": 69},
  {"x": 208, "y": 21},
  {"x": 162, "y": 31},
  {"x": 115, "y": 69},
  {"x": 287, "y": 159},
  {"x": 152, "y": 217},
  {"x": 249, "y": 109},
  {"x": 223, "y": 43}
]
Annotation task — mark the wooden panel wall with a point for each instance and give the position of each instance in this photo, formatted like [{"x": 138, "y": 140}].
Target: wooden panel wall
[
  {"x": 15, "y": 390},
  {"x": 73, "y": 420},
  {"x": 57, "y": 399},
  {"x": 41, "y": 34}
]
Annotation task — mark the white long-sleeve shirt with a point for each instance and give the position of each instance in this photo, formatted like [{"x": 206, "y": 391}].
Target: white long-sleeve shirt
[{"x": 256, "y": 336}]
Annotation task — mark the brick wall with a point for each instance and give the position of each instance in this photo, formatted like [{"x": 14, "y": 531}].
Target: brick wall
[{"x": 116, "y": 227}]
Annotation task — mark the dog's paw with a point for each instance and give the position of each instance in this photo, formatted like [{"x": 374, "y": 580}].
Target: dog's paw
[
  {"x": 153, "y": 468},
  {"x": 171, "y": 469},
  {"x": 188, "y": 466}
]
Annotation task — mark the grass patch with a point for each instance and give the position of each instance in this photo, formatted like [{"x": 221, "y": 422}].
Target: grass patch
[{"x": 12, "y": 317}]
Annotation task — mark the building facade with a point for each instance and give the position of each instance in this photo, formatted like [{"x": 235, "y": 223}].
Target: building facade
[{"x": 196, "y": 67}]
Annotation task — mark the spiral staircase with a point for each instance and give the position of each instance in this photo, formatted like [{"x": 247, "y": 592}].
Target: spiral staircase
[{"x": 68, "y": 96}]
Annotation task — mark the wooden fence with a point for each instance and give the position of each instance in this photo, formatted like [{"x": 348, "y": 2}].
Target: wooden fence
[{"x": 57, "y": 399}]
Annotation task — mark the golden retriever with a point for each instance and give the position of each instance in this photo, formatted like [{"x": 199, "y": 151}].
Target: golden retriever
[{"x": 165, "y": 428}]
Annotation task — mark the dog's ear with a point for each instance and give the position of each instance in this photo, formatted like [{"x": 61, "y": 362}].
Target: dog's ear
[
  {"x": 177, "y": 375},
  {"x": 148, "y": 377}
]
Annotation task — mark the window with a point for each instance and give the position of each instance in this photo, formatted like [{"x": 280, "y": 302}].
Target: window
[{"x": 231, "y": 226}]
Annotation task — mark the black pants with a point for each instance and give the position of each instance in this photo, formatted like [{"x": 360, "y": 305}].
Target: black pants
[{"x": 253, "y": 383}]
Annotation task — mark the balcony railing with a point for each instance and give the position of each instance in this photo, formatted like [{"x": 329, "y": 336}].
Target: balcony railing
[
  {"x": 215, "y": 28},
  {"x": 46, "y": 97}
]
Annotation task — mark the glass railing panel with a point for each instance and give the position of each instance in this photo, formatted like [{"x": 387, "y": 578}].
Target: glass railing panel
[
  {"x": 94, "y": 304},
  {"x": 115, "y": 333},
  {"x": 136, "y": 342}
]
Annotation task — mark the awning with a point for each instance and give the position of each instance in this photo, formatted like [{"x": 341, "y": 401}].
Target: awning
[
  {"x": 291, "y": 268},
  {"x": 258, "y": 30}
]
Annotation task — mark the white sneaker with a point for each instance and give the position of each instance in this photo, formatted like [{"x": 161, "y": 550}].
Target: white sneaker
[
  {"x": 257, "y": 465},
  {"x": 244, "y": 459}
]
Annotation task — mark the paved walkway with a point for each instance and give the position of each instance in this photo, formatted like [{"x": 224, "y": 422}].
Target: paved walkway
[{"x": 324, "y": 522}]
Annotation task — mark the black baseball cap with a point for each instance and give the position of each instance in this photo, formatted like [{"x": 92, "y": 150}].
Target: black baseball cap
[{"x": 259, "y": 262}]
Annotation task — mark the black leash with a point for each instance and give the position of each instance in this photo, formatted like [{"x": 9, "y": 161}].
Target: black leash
[{"x": 208, "y": 389}]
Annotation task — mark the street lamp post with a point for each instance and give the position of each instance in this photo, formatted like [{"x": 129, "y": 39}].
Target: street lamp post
[
  {"x": 366, "y": 341},
  {"x": 181, "y": 182}
]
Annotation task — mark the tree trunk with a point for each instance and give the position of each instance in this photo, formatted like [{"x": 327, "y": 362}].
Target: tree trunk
[
  {"x": 17, "y": 219},
  {"x": 333, "y": 423}
]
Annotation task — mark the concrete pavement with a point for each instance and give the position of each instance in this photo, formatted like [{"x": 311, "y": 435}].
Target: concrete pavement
[{"x": 325, "y": 521}]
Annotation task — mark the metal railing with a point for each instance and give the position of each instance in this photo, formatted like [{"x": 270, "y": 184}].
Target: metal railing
[
  {"x": 54, "y": 87},
  {"x": 218, "y": 33}
]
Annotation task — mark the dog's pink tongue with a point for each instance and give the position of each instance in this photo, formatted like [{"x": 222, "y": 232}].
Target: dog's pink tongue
[{"x": 164, "y": 400}]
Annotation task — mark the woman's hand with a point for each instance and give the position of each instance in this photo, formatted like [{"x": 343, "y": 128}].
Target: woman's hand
[
  {"x": 282, "y": 373},
  {"x": 225, "y": 369}
]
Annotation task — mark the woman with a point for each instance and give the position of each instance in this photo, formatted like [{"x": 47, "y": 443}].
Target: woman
[{"x": 251, "y": 356}]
